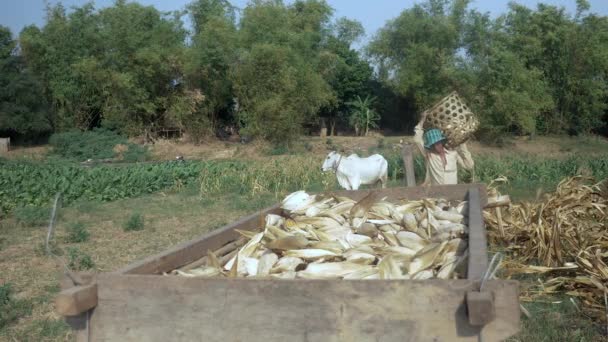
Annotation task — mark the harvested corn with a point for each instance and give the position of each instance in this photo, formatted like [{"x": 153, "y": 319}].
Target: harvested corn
[{"x": 332, "y": 237}]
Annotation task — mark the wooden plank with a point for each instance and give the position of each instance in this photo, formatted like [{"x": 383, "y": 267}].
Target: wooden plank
[
  {"x": 78, "y": 323},
  {"x": 87, "y": 277},
  {"x": 448, "y": 192},
  {"x": 5, "y": 145},
  {"x": 408, "y": 165},
  {"x": 480, "y": 307},
  {"x": 76, "y": 300},
  {"x": 190, "y": 251},
  {"x": 227, "y": 249},
  {"x": 478, "y": 251},
  {"x": 132, "y": 307},
  {"x": 499, "y": 201},
  {"x": 193, "y": 250}
]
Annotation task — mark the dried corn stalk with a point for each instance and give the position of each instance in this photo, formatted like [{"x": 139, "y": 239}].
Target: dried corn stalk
[{"x": 565, "y": 235}]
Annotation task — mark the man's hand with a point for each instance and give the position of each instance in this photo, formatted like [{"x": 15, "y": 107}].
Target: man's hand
[{"x": 424, "y": 115}]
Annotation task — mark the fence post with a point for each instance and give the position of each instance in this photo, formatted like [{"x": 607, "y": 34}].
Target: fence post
[
  {"x": 408, "y": 165},
  {"x": 5, "y": 145}
]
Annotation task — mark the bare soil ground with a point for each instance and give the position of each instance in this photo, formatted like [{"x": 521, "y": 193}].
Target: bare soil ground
[
  {"x": 213, "y": 149},
  {"x": 551, "y": 147}
]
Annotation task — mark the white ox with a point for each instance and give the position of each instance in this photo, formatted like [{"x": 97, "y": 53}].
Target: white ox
[{"x": 353, "y": 171}]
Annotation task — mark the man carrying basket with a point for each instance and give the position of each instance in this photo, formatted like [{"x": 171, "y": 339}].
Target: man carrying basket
[{"x": 441, "y": 161}]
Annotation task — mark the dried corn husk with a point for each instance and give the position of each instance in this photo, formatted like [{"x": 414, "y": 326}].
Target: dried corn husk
[{"x": 335, "y": 237}]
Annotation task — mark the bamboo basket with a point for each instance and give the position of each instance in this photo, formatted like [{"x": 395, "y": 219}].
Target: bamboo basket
[{"x": 454, "y": 118}]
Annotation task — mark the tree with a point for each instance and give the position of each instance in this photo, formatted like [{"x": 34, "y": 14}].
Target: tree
[
  {"x": 507, "y": 94},
  {"x": 23, "y": 108},
  {"x": 416, "y": 52},
  {"x": 209, "y": 60},
  {"x": 277, "y": 93},
  {"x": 348, "y": 31},
  {"x": 343, "y": 69},
  {"x": 363, "y": 116},
  {"x": 276, "y": 79},
  {"x": 115, "y": 67},
  {"x": 202, "y": 11}
]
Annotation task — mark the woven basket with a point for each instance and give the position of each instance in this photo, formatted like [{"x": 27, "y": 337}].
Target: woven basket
[{"x": 454, "y": 118}]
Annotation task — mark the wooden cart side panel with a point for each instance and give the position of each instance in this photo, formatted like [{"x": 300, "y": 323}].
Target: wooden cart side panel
[
  {"x": 152, "y": 308},
  {"x": 189, "y": 251},
  {"x": 478, "y": 253},
  {"x": 448, "y": 192}
]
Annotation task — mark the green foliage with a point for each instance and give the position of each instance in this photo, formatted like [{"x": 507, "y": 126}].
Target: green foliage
[
  {"x": 134, "y": 223},
  {"x": 526, "y": 71},
  {"x": 209, "y": 63},
  {"x": 331, "y": 145},
  {"x": 344, "y": 70},
  {"x": 278, "y": 149},
  {"x": 416, "y": 52},
  {"x": 23, "y": 107},
  {"x": 31, "y": 216},
  {"x": 46, "y": 329},
  {"x": 279, "y": 92},
  {"x": 31, "y": 183},
  {"x": 538, "y": 170},
  {"x": 96, "y": 144},
  {"x": 363, "y": 116},
  {"x": 77, "y": 232},
  {"x": 114, "y": 66},
  {"x": 11, "y": 309},
  {"x": 78, "y": 260},
  {"x": 277, "y": 176},
  {"x": 557, "y": 319}
]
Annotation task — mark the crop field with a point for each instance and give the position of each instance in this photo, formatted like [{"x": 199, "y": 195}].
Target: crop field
[{"x": 113, "y": 215}]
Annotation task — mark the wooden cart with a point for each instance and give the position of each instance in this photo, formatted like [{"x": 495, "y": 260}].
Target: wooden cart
[{"x": 137, "y": 303}]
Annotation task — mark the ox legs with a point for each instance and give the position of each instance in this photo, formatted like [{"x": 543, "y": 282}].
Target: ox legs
[
  {"x": 383, "y": 180},
  {"x": 344, "y": 183},
  {"x": 355, "y": 183}
]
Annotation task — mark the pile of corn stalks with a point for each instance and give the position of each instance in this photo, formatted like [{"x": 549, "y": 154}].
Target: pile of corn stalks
[
  {"x": 565, "y": 235},
  {"x": 335, "y": 237}
]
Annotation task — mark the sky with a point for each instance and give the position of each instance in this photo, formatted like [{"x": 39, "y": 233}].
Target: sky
[{"x": 373, "y": 14}]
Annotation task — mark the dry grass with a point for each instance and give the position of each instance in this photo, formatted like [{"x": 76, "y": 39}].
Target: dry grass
[
  {"x": 169, "y": 220},
  {"x": 35, "y": 152},
  {"x": 547, "y": 146}
]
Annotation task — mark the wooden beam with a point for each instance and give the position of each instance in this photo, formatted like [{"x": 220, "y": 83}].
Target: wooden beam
[
  {"x": 76, "y": 300},
  {"x": 408, "y": 165},
  {"x": 227, "y": 249},
  {"x": 478, "y": 251},
  {"x": 480, "y": 307},
  {"x": 498, "y": 201},
  {"x": 457, "y": 192}
]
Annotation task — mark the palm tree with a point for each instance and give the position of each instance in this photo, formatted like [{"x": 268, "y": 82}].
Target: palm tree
[{"x": 363, "y": 116}]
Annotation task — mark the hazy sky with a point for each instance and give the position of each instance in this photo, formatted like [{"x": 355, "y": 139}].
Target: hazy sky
[{"x": 372, "y": 13}]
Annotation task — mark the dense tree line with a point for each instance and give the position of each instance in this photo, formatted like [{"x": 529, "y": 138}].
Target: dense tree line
[{"x": 277, "y": 70}]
